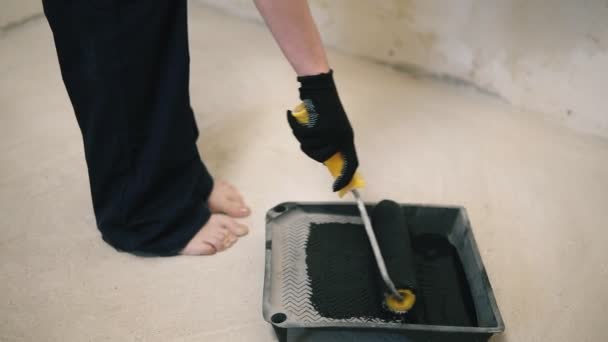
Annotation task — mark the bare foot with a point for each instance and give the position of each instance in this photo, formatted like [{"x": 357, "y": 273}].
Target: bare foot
[
  {"x": 218, "y": 234},
  {"x": 226, "y": 199}
]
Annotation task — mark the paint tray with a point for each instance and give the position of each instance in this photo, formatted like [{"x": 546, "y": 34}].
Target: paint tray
[{"x": 288, "y": 303}]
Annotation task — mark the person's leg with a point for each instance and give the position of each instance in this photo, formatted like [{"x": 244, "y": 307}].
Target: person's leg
[{"x": 125, "y": 65}]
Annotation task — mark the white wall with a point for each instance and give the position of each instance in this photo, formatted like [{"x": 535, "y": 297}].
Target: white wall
[
  {"x": 14, "y": 11},
  {"x": 548, "y": 56}
]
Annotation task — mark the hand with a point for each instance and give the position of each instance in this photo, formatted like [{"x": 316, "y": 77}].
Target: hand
[{"x": 328, "y": 130}]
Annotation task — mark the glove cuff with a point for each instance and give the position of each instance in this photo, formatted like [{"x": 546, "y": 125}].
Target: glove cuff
[{"x": 323, "y": 80}]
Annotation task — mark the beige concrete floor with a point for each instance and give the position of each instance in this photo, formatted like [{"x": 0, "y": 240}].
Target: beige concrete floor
[{"x": 536, "y": 193}]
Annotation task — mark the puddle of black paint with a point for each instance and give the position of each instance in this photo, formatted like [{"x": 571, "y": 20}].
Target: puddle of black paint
[{"x": 344, "y": 278}]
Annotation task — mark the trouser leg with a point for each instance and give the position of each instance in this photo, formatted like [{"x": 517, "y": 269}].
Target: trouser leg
[{"x": 125, "y": 65}]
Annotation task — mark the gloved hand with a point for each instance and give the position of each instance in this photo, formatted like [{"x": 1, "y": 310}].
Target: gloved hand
[{"x": 328, "y": 130}]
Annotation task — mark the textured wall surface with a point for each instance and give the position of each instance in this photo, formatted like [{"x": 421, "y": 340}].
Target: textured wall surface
[{"x": 547, "y": 56}]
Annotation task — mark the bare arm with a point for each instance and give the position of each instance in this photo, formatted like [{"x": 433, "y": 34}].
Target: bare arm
[
  {"x": 330, "y": 133},
  {"x": 296, "y": 33}
]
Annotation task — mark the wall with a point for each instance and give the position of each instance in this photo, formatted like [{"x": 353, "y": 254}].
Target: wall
[
  {"x": 546, "y": 56},
  {"x": 15, "y": 11}
]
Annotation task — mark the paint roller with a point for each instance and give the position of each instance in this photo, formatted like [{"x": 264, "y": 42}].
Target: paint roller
[
  {"x": 389, "y": 237},
  {"x": 394, "y": 240}
]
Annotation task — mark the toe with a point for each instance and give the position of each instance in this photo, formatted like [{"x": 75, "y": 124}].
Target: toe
[
  {"x": 242, "y": 210},
  {"x": 207, "y": 249},
  {"x": 235, "y": 227},
  {"x": 230, "y": 240},
  {"x": 236, "y": 208},
  {"x": 235, "y": 198},
  {"x": 198, "y": 248},
  {"x": 219, "y": 233},
  {"x": 234, "y": 195},
  {"x": 225, "y": 198},
  {"x": 217, "y": 242}
]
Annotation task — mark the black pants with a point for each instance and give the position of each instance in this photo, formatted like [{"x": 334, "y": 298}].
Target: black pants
[{"x": 125, "y": 65}]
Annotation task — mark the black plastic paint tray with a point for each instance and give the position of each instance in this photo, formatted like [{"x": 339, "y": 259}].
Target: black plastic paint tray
[{"x": 287, "y": 296}]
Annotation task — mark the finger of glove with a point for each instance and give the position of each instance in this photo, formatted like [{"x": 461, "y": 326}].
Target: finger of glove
[
  {"x": 301, "y": 131},
  {"x": 351, "y": 163},
  {"x": 295, "y": 125},
  {"x": 321, "y": 153}
]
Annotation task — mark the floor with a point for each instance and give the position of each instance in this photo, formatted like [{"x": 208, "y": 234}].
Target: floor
[{"x": 536, "y": 194}]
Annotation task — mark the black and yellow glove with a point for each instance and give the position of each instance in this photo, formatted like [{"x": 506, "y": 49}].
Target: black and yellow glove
[{"x": 327, "y": 130}]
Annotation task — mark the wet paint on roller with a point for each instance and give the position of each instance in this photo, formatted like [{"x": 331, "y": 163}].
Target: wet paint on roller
[
  {"x": 393, "y": 238},
  {"x": 344, "y": 278}
]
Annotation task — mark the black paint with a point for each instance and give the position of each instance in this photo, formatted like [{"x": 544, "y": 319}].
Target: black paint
[
  {"x": 393, "y": 238},
  {"x": 443, "y": 296},
  {"x": 344, "y": 278},
  {"x": 342, "y": 274}
]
